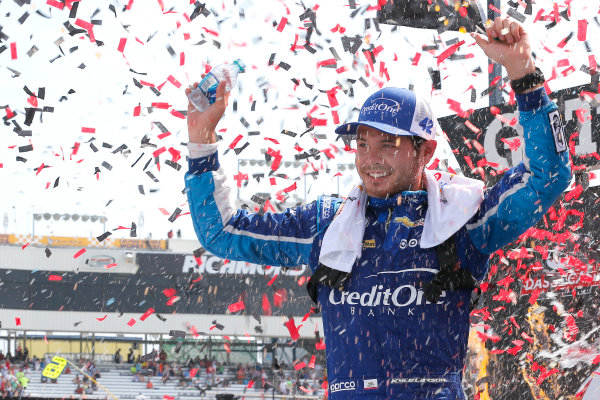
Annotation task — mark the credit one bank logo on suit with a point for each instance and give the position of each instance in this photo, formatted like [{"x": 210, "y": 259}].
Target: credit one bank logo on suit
[{"x": 391, "y": 299}]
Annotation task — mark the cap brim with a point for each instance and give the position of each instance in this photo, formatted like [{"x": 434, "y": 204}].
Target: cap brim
[{"x": 351, "y": 128}]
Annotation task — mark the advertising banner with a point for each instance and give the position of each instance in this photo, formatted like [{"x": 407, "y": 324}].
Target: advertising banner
[{"x": 538, "y": 315}]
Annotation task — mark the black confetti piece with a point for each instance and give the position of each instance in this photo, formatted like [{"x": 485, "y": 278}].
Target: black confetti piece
[
  {"x": 133, "y": 230},
  {"x": 23, "y": 18},
  {"x": 106, "y": 165},
  {"x": 48, "y": 252},
  {"x": 238, "y": 150},
  {"x": 151, "y": 176},
  {"x": 175, "y": 214},
  {"x": 73, "y": 13},
  {"x": 516, "y": 15},
  {"x": 284, "y": 65},
  {"x": 436, "y": 80},
  {"x": 25, "y": 149},
  {"x": 103, "y": 236}
]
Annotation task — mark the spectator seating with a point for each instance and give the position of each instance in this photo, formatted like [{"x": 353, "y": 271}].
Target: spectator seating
[{"x": 118, "y": 380}]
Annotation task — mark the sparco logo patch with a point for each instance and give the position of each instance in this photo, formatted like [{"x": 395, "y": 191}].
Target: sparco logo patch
[{"x": 340, "y": 386}]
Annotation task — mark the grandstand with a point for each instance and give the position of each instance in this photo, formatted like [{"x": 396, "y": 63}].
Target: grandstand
[{"x": 58, "y": 299}]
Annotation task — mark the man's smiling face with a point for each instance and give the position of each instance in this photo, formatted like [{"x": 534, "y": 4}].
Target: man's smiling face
[{"x": 390, "y": 164}]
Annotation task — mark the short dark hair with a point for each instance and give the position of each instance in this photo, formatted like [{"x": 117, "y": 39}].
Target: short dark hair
[{"x": 417, "y": 141}]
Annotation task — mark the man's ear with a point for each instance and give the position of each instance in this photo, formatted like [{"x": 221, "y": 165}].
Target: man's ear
[{"x": 428, "y": 149}]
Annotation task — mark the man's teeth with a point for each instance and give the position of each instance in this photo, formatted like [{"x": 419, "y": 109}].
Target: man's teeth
[{"x": 377, "y": 174}]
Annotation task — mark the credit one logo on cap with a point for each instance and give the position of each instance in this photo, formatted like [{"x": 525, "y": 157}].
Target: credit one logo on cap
[
  {"x": 339, "y": 386},
  {"x": 382, "y": 105}
]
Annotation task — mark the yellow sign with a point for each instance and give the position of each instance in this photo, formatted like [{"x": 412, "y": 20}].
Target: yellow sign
[
  {"x": 140, "y": 244},
  {"x": 55, "y": 368},
  {"x": 369, "y": 244},
  {"x": 65, "y": 241},
  {"x": 408, "y": 222}
]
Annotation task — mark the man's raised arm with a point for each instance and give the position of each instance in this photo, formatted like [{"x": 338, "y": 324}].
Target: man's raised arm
[
  {"x": 278, "y": 239},
  {"x": 527, "y": 191}
]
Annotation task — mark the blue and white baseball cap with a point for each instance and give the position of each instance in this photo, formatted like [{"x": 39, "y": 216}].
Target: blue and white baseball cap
[{"x": 397, "y": 112}]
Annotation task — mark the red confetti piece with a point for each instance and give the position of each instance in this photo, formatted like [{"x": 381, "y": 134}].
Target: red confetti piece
[
  {"x": 17, "y": 321},
  {"x": 174, "y": 81},
  {"x": 235, "y": 142},
  {"x": 291, "y": 326},
  {"x": 276, "y": 158},
  {"x": 122, "y": 43},
  {"x": 172, "y": 300},
  {"x": 25, "y": 245},
  {"x": 239, "y": 177},
  {"x": 129, "y": 4},
  {"x": 40, "y": 168},
  {"x": 164, "y": 212},
  {"x": 148, "y": 313},
  {"x": 235, "y": 307},
  {"x": 227, "y": 347},
  {"x": 168, "y": 397},
  {"x": 169, "y": 292},
  {"x": 55, "y": 278},
  {"x": 291, "y": 188},
  {"x": 137, "y": 111},
  {"x": 102, "y": 318},
  {"x": 162, "y": 105},
  {"x": 88, "y": 26},
  {"x": 88, "y": 130},
  {"x": 272, "y": 280},
  {"x": 158, "y": 152},
  {"x": 495, "y": 9},
  {"x": 9, "y": 113},
  {"x": 543, "y": 376},
  {"x": 79, "y": 253},
  {"x": 335, "y": 117},
  {"x": 175, "y": 154},
  {"x": 55, "y": 3},
  {"x": 266, "y": 305},
  {"x": 416, "y": 58},
  {"x": 181, "y": 58},
  {"x": 193, "y": 372},
  {"x": 13, "y": 51},
  {"x": 131, "y": 322},
  {"x": 330, "y": 61},
  {"x": 282, "y": 24},
  {"x": 449, "y": 51},
  {"x": 320, "y": 345},
  {"x": 300, "y": 365},
  {"x": 534, "y": 296},
  {"x": 311, "y": 363}
]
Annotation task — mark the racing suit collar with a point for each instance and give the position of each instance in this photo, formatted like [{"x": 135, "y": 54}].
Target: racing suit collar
[{"x": 406, "y": 197}]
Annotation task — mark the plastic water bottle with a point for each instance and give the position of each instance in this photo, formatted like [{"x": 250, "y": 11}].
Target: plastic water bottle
[{"x": 206, "y": 92}]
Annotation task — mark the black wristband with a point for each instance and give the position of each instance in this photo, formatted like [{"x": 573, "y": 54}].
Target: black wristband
[{"x": 527, "y": 82}]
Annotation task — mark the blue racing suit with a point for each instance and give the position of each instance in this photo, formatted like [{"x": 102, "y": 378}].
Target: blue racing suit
[{"x": 383, "y": 339}]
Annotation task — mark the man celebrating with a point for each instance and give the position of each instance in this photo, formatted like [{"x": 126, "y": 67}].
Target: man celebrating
[{"x": 395, "y": 263}]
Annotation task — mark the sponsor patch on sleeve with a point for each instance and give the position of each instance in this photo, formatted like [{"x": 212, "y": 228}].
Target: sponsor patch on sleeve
[
  {"x": 370, "y": 383},
  {"x": 557, "y": 131}
]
